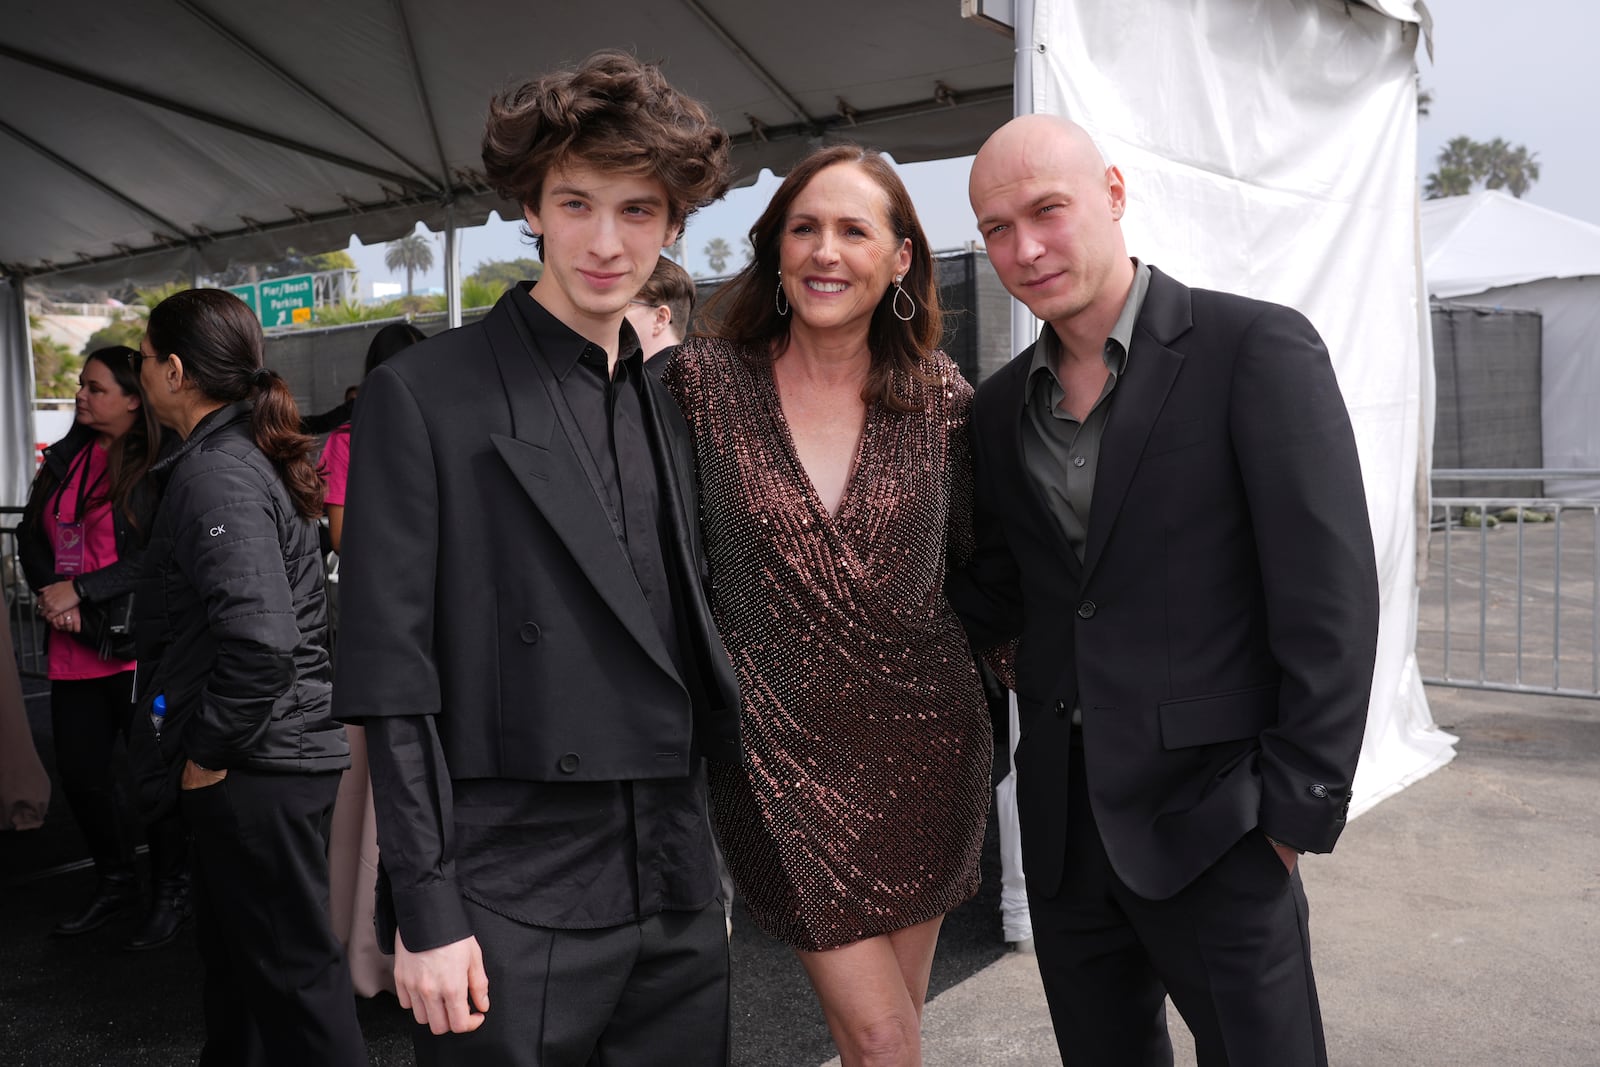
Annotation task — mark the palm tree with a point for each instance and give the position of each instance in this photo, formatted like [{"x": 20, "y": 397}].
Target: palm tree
[
  {"x": 1522, "y": 170},
  {"x": 411, "y": 253},
  {"x": 717, "y": 254},
  {"x": 1512, "y": 169},
  {"x": 1462, "y": 153},
  {"x": 1448, "y": 181},
  {"x": 1463, "y": 163}
]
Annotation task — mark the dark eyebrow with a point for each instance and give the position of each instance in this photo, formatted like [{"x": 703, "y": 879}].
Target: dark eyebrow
[
  {"x": 571, "y": 190},
  {"x": 801, "y": 215}
]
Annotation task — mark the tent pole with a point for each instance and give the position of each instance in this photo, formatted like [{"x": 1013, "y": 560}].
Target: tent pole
[
  {"x": 1024, "y": 327},
  {"x": 17, "y": 464},
  {"x": 452, "y": 266}
]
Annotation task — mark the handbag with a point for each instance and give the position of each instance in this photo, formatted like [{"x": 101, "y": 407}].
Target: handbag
[{"x": 107, "y": 628}]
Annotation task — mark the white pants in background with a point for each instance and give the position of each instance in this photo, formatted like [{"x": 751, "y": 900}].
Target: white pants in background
[{"x": 1014, "y": 918}]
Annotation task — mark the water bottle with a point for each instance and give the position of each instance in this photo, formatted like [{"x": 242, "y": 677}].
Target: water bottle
[{"x": 158, "y": 713}]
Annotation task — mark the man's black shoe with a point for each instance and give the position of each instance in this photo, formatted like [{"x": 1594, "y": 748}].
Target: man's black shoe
[
  {"x": 114, "y": 895},
  {"x": 168, "y": 913}
]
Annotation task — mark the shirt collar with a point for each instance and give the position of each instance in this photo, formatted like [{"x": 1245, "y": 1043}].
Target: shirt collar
[
  {"x": 564, "y": 347},
  {"x": 1117, "y": 344}
]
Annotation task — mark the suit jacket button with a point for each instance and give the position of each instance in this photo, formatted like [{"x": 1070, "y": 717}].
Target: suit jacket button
[
  {"x": 1319, "y": 790},
  {"x": 1061, "y": 709},
  {"x": 529, "y": 633},
  {"x": 1086, "y": 610},
  {"x": 568, "y": 763}
]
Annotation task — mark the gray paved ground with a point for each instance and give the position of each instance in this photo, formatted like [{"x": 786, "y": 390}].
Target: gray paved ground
[{"x": 1457, "y": 925}]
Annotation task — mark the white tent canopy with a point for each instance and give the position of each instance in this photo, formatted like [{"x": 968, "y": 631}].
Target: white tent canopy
[
  {"x": 1490, "y": 249},
  {"x": 1491, "y": 240},
  {"x": 1270, "y": 149}
]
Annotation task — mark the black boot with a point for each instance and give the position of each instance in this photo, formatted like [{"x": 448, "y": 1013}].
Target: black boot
[
  {"x": 168, "y": 912},
  {"x": 115, "y": 894}
]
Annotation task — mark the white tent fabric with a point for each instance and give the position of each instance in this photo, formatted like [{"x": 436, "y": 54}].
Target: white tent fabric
[
  {"x": 1269, "y": 149},
  {"x": 1491, "y": 239},
  {"x": 1490, "y": 249}
]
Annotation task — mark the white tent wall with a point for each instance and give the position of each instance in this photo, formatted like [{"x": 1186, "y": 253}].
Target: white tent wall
[
  {"x": 1570, "y": 384},
  {"x": 1270, "y": 149},
  {"x": 1489, "y": 249},
  {"x": 16, "y": 396}
]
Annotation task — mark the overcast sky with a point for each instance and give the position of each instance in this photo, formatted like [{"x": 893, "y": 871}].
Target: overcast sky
[{"x": 1526, "y": 71}]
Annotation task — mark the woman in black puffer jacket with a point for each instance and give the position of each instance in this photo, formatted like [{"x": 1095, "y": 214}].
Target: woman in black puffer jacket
[{"x": 232, "y": 621}]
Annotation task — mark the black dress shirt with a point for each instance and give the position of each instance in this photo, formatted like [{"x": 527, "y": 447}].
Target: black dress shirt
[{"x": 578, "y": 855}]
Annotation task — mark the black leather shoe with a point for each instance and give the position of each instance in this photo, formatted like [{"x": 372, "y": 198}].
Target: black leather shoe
[
  {"x": 168, "y": 912},
  {"x": 114, "y": 895}
]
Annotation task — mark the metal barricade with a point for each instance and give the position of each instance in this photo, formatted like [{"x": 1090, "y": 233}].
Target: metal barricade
[
  {"x": 27, "y": 629},
  {"x": 1510, "y": 598}
]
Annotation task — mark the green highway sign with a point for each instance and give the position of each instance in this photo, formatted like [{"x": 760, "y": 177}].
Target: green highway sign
[
  {"x": 285, "y": 300},
  {"x": 247, "y": 293}
]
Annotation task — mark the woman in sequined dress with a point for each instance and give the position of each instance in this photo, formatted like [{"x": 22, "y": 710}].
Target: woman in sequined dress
[{"x": 834, "y": 480}]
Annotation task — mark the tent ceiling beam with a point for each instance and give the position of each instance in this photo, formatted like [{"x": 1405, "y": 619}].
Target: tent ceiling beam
[
  {"x": 346, "y": 210},
  {"x": 238, "y": 41},
  {"x": 944, "y": 99},
  {"x": 99, "y": 183},
  {"x": 421, "y": 86},
  {"x": 750, "y": 62},
  {"x": 134, "y": 93}
]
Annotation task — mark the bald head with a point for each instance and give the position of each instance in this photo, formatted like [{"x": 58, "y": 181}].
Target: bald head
[
  {"x": 1044, "y": 144},
  {"x": 1050, "y": 212}
]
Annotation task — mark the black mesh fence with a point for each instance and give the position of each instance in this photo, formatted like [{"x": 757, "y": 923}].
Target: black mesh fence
[{"x": 1487, "y": 365}]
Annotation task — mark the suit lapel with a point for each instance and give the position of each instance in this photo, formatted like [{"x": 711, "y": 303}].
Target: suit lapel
[
  {"x": 553, "y": 468},
  {"x": 1140, "y": 395}
]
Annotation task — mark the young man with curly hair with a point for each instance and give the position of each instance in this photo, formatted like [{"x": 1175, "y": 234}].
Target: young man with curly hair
[{"x": 527, "y": 639}]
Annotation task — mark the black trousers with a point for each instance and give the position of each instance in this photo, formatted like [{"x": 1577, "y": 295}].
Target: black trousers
[
  {"x": 87, "y": 717},
  {"x": 1232, "y": 949},
  {"x": 637, "y": 995},
  {"x": 277, "y": 985}
]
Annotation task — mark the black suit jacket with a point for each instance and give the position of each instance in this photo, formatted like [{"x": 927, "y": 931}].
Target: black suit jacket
[
  {"x": 482, "y": 581},
  {"x": 1221, "y": 631}
]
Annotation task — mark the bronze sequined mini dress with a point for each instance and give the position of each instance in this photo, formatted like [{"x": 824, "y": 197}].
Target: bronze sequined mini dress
[{"x": 859, "y": 806}]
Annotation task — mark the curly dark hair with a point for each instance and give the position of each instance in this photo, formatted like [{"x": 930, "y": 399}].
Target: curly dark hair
[
  {"x": 613, "y": 113},
  {"x": 743, "y": 311}
]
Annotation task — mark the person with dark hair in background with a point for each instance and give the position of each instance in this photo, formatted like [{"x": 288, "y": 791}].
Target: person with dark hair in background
[
  {"x": 83, "y": 530},
  {"x": 353, "y": 839},
  {"x": 393, "y": 338},
  {"x": 526, "y": 636},
  {"x": 385, "y": 343},
  {"x": 831, "y": 437},
  {"x": 233, "y": 627},
  {"x": 660, "y": 313}
]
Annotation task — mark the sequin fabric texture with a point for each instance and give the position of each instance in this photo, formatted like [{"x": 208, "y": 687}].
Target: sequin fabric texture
[{"x": 860, "y": 804}]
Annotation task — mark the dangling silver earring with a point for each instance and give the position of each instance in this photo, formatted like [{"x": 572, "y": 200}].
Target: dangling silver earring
[
  {"x": 894, "y": 305},
  {"x": 779, "y": 300}
]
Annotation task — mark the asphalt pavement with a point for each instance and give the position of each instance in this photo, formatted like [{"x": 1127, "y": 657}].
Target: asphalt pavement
[{"x": 1457, "y": 924}]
